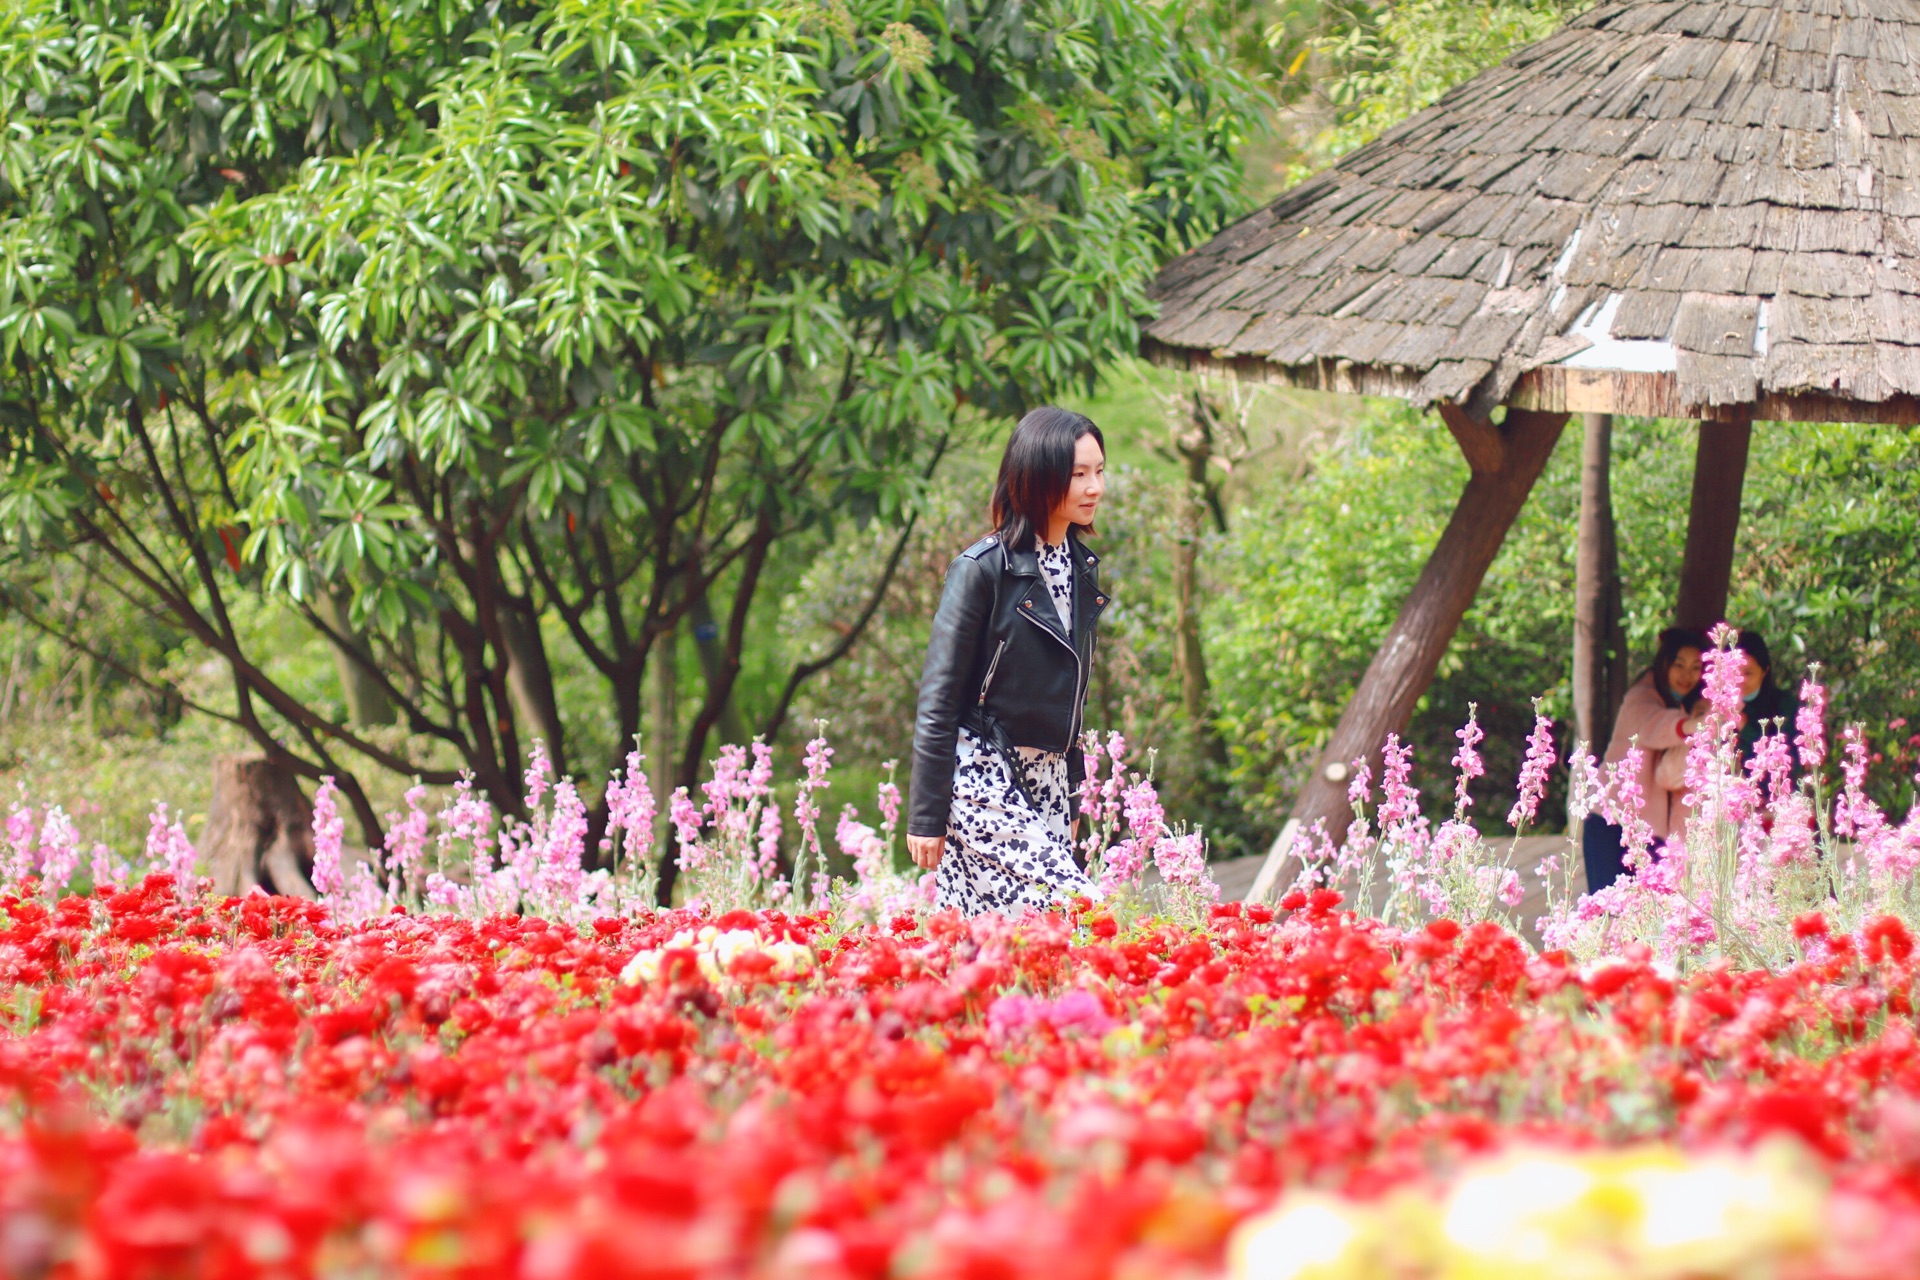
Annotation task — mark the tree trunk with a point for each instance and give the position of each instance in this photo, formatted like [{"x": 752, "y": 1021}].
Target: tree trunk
[
  {"x": 259, "y": 829},
  {"x": 367, "y": 702},
  {"x": 1196, "y": 449},
  {"x": 1713, "y": 521},
  {"x": 1599, "y": 630},
  {"x": 663, "y": 722},
  {"x": 530, "y": 683},
  {"x": 13, "y": 675},
  {"x": 1404, "y": 666}
]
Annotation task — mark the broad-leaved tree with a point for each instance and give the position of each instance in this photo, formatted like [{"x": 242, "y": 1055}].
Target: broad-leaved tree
[{"x": 462, "y": 329}]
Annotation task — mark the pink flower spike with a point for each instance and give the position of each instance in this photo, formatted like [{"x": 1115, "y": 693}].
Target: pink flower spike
[
  {"x": 1584, "y": 785},
  {"x": 1857, "y": 817},
  {"x": 888, "y": 799},
  {"x": 1725, "y": 672},
  {"x": 1622, "y": 800},
  {"x": 16, "y": 859},
  {"x": 1360, "y": 790},
  {"x": 685, "y": 817},
  {"x": 539, "y": 775},
  {"x": 406, "y": 841},
  {"x": 329, "y": 830},
  {"x": 107, "y": 869},
  {"x": 59, "y": 851},
  {"x": 1810, "y": 723},
  {"x": 180, "y": 860},
  {"x": 1466, "y": 761},
  {"x": 806, "y": 815},
  {"x": 1399, "y": 801},
  {"x": 630, "y": 808},
  {"x": 1534, "y": 770}
]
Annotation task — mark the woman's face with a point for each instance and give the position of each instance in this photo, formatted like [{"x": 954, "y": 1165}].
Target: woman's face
[
  {"x": 1683, "y": 677},
  {"x": 1088, "y": 485},
  {"x": 1750, "y": 676}
]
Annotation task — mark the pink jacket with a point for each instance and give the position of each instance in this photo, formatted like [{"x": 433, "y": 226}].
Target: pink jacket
[{"x": 1645, "y": 715}]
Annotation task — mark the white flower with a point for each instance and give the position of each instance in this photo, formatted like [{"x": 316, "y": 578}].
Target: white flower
[
  {"x": 643, "y": 968},
  {"x": 715, "y": 951}
]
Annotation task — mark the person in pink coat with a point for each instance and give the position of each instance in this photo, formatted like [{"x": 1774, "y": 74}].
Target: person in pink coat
[{"x": 1655, "y": 715}]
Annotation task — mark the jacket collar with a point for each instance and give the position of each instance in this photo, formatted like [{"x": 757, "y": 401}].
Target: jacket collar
[
  {"x": 1026, "y": 564},
  {"x": 1083, "y": 556}
]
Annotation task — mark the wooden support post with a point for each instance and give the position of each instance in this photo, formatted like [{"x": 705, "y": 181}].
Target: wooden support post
[
  {"x": 1599, "y": 631},
  {"x": 1411, "y": 653},
  {"x": 1275, "y": 862},
  {"x": 1713, "y": 521}
]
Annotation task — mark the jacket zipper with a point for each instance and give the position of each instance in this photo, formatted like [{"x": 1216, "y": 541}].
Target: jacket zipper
[
  {"x": 1073, "y": 735},
  {"x": 992, "y": 667}
]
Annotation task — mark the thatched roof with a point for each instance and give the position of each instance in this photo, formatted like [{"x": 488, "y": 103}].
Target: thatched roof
[{"x": 1675, "y": 208}]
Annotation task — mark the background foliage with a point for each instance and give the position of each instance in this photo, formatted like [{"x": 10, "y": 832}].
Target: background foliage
[
  {"x": 1315, "y": 573},
  {"x": 497, "y": 346},
  {"x": 564, "y": 259}
]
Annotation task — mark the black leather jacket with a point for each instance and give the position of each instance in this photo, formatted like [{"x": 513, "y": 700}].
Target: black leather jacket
[{"x": 999, "y": 663}]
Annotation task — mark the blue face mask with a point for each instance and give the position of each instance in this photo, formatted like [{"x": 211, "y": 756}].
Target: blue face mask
[{"x": 1751, "y": 696}]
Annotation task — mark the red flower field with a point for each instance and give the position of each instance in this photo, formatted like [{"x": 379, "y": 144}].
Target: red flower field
[{"x": 242, "y": 1087}]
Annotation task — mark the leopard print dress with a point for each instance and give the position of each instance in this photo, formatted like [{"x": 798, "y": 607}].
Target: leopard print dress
[{"x": 1003, "y": 853}]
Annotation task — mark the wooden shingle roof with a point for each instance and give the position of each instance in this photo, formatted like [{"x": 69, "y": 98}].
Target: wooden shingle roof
[{"x": 1671, "y": 207}]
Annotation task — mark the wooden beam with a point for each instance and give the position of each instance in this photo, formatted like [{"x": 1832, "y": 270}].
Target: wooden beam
[
  {"x": 1549, "y": 389},
  {"x": 1713, "y": 521},
  {"x": 1411, "y": 653},
  {"x": 1599, "y": 633},
  {"x": 1485, "y": 448},
  {"x": 1657, "y": 395}
]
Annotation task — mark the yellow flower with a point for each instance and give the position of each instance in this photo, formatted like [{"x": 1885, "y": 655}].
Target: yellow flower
[
  {"x": 644, "y": 968},
  {"x": 1308, "y": 1237},
  {"x": 1638, "y": 1213},
  {"x": 715, "y": 951}
]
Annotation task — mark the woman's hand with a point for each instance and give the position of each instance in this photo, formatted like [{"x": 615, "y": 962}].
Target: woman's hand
[{"x": 926, "y": 850}]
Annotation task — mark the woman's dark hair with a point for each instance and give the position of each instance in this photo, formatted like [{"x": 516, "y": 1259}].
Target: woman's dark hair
[
  {"x": 1036, "y": 471},
  {"x": 1769, "y": 710},
  {"x": 1754, "y": 645},
  {"x": 1672, "y": 641}
]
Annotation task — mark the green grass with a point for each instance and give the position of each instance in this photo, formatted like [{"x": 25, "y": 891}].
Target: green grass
[{"x": 108, "y": 784}]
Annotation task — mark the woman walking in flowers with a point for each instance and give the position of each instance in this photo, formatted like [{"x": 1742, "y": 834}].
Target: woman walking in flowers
[{"x": 996, "y": 761}]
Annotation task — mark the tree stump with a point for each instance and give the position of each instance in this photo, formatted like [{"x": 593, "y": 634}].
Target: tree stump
[{"x": 259, "y": 829}]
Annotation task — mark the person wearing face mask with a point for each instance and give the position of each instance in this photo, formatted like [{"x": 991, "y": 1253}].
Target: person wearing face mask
[
  {"x": 1765, "y": 707},
  {"x": 996, "y": 740},
  {"x": 1654, "y": 716}
]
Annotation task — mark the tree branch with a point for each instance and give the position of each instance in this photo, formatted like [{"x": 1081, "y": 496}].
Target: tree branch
[
  {"x": 71, "y": 640},
  {"x": 252, "y": 680},
  {"x": 804, "y": 671},
  {"x": 574, "y": 616},
  {"x": 417, "y": 720},
  {"x": 196, "y": 398},
  {"x": 758, "y": 544}
]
